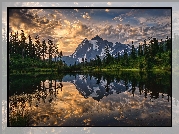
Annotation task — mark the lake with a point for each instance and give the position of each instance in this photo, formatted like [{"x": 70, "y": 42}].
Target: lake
[{"x": 121, "y": 98}]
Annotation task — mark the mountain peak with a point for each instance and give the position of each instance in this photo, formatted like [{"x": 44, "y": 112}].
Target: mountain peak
[
  {"x": 96, "y": 46},
  {"x": 97, "y": 38},
  {"x": 84, "y": 40}
]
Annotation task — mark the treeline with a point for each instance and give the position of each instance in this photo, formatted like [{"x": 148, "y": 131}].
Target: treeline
[
  {"x": 155, "y": 55},
  {"x": 25, "y": 54}
]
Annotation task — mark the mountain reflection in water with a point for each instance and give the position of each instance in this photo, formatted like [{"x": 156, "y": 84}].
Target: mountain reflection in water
[{"x": 95, "y": 100}]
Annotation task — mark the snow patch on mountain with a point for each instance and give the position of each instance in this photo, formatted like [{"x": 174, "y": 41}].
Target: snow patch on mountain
[
  {"x": 114, "y": 44},
  {"x": 89, "y": 49},
  {"x": 85, "y": 56},
  {"x": 102, "y": 52},
  {"x": 94, "y": 43},
  {"x": 80, "y": 60}
]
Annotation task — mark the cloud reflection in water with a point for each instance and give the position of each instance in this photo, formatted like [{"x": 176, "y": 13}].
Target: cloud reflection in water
[{"x": 72, "y": 109}]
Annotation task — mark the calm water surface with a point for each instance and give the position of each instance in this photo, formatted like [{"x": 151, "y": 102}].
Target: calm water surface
[{"x": 100, "y": 99}]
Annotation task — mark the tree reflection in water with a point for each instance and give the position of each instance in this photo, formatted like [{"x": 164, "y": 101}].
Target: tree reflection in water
[{"x": 47, "y": 98}]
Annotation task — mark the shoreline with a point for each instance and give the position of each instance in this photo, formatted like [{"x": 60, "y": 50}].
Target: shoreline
[{"x": 47, "y": 71}]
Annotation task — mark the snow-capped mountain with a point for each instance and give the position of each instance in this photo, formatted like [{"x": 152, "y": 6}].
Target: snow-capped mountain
[{"x": 96, "y": 46}]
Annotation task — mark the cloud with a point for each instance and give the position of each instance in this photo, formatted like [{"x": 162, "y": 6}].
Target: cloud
[
  {"x": 86, "y": 16},
  {"x": 73, "y": 35},
  {"x": 118, "y": 18},
  {"x": 132, "y": 12},
  {"x": 44, "y": 21},
  {"x": 69, "y": 28},
  {"x": 142, "y": 20},
  {"x": 23, "y": 16},
  {"x": 67, "y": 22},
  {"x": 126, "y": 33}
]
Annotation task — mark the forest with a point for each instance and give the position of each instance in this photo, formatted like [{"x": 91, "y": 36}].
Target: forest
[{"x": 26, "y": 56}]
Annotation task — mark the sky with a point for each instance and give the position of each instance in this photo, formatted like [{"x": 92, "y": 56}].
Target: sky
[{"x": 69, "y": 27}]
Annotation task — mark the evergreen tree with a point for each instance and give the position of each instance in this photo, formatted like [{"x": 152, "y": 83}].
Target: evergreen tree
[
  {"x": 50, "y": 43},
  {"x": 125, "y": 58},
  {"x": 133, "y": 52},
  {"x": 43, "y": 49},
  {"x": 37, "y": 47},
  {"x": 22, "y": 47},
  {"x": 98, "y": 61},
  {"x": 140, "y": 53},
  {"x": 29, "y": 47}
]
